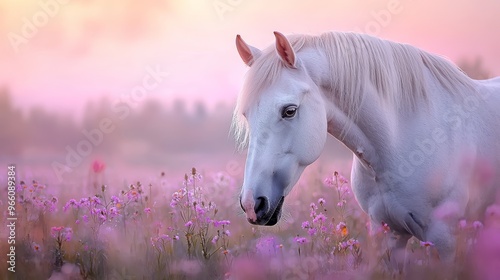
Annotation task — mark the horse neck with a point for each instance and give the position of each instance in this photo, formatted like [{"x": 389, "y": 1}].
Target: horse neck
[
  {"x": 379, "y": 127},
  {"x": 369, "y": 135}
]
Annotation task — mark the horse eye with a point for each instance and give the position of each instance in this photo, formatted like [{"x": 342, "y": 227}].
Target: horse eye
[{"x": 289, "y": 112}]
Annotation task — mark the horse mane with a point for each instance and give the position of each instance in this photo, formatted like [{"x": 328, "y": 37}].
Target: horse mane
[{"x": 396, "y": 70}]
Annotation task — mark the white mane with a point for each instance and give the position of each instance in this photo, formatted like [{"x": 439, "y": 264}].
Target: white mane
[{"x": 396, "y": 70}]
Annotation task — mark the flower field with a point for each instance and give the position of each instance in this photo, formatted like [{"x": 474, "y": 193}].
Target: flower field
[{"x": 191, "y": 227}]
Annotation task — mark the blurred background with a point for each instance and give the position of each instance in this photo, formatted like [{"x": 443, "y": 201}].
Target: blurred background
[{"x": 151, "y": 85}]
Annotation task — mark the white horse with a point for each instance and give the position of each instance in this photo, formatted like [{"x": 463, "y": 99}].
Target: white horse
[{"x": 418, "y": 128}]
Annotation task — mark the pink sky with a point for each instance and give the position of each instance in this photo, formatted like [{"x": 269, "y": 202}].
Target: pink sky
[{"x": 91, "y": 48}]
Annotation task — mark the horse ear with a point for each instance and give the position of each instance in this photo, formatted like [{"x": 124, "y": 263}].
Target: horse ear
[
  {"x": 285, "y": 50},
  {"x": 248, "y": 53}
]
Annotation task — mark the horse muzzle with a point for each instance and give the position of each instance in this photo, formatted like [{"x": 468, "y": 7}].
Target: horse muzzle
[{"x": 261, "y": 212}]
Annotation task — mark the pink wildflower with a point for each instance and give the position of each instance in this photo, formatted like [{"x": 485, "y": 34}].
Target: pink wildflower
[
  {"x": 133, "y": 195},
  {"x": 342, "y": 179},
  {"x": 54, "y": 231},
  {"x": 313, "y": 210},
  {"x": 313, "y": 206},
  {"x": 98, "y": 166},
  {"x": 329, "y": 181},
  {"x": 62, "y": 232}
]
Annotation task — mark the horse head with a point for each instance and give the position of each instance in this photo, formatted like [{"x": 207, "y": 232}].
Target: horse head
[{"x": 284, "y": 113}]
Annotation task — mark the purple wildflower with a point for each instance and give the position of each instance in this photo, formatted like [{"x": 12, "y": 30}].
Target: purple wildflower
[
  {"x": 312, "y": 231},
  {"x": 221, "y": 223},
  {"x": 215, "y": 239},
  {"x": 115, "y": 200},
  {"x": 84, "y": 202},
  {"x": 95, "y": 201},
  {"x": 113, "y": 212},
  {"x": 352, "y": 243},
  {"x": 477, "y": 225},
  {"x": 300, "y": 240},
  {"x": 319, "y": 218},
  {"x": 306, "y": 225}
]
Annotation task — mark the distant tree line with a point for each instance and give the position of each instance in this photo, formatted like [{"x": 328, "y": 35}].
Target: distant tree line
[{"x": 151, "y": 129}]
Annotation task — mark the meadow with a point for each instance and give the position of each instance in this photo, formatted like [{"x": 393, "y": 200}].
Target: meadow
[
  {"x": 191, "y": 227},
  {"x": 106, "y": 105}
]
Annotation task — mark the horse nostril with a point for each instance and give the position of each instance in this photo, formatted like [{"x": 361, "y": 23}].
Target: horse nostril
[
  {"x": 241, "y": 205},
  {"x": 261, "y": 205}
]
